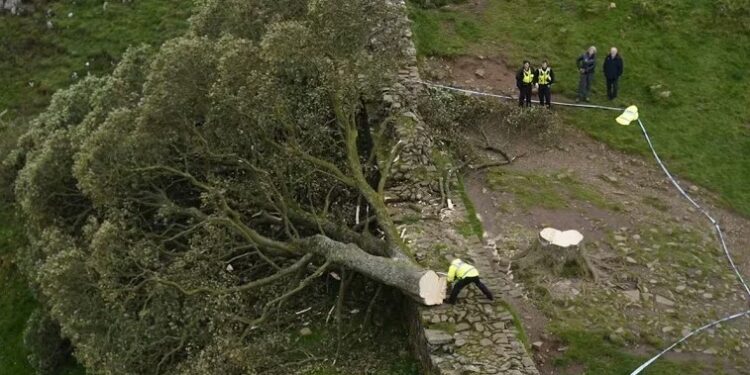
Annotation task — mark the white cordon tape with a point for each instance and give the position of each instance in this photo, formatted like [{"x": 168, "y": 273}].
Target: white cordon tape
[
  {"x": 719, "y": 232},
  {"x": 674, "y": 182},
  {"x": 479, "y": 93},
  {"x": 707, "y": 326}
]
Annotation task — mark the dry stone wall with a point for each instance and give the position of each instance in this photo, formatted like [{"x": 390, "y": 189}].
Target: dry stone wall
[
  {"x": 476, "y": 336},
  {"x": 414, "y": 175}
]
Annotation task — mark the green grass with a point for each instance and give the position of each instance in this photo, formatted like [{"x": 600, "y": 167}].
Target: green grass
[
  {"x": 518, "y": 324},
  {"x": 551, "y": 192},
  {"x": 702, "y": 130},
  {"x": 37, "y": 61},
  {"x": 472, "y": 225},
  {"x": 16, "y": 301},
  {"x": 599, "y": 356}
]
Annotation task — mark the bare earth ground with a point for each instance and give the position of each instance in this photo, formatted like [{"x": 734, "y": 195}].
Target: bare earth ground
[{"x": 660, "y": 270}]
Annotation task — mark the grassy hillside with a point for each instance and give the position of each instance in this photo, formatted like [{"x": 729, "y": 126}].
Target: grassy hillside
[
  {"x": 696, "y": 50},
  {"x": 37, "y": 60},
  {"x": 34, "y": 62}
]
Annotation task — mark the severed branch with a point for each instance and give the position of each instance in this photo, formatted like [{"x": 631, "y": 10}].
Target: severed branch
[
  {"x": 303, "y": 262},
  {"x": 489, "y": 147}
]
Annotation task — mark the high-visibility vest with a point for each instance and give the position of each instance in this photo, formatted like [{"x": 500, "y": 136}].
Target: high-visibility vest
[
  {"x": 544, "y": 76},
  {"x": 459, "y": 270},
  {"x": 528, "y": 76}
]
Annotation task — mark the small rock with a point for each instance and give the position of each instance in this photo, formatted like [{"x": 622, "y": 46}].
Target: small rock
[
  {"x": 636, "y": 237},
  {"x": 680, "y": 288},
  {"x": 665, "y": 94},
  {"x": 537, "y": 345},
  {"x": 610, "y": 178},
  {"x": 667, "y": 329},
  {"x": 485, "y": 342},
  {"x": 631, "y": 260},
  {"x": 620, "y": 238},
  {"x": 633, "y": 296},
  {"x": 707, "y": 295},
  {"x": 479, "y": 73},
  {"x": 460, "y": 327},
  {"x": 612, "y": 5},
  {"x": 305, "y": 332},
  {"x": 437, "y": 337},
  {"x": 710, "y": 351},
  {"x": 478, "y": 327},
  {"x": 664, "y": 301},
  {"x": 693, "y": 189}
]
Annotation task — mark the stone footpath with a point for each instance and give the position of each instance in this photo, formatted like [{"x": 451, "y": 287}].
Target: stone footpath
[{"x": 475, "y": 336}]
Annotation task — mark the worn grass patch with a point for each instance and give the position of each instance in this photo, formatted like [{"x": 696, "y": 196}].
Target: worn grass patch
[
  {"x": 598, "y": 355},
  {"x": 698, "y": 126},
  {"x": 546, "y": 191}
]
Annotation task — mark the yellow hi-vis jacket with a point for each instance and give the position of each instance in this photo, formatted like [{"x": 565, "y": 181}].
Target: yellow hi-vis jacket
[{"x": 458, "y": 270}]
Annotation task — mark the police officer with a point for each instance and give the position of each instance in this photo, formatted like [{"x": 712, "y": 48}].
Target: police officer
[
  {"x": 464, "y": 274},
  {"x": 544, "y": 78},
  {"x": 524, "y": 81}
]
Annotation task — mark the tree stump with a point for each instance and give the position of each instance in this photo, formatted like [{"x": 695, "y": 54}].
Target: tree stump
[{"x": 556, "y": 252}]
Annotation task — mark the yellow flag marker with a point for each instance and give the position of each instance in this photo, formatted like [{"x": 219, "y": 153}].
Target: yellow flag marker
[{"x": 630, "y": 115}]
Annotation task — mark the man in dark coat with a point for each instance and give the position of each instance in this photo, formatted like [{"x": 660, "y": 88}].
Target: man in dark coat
[
  {"x": 545, "y": 77},
  {"x": 613, "y": 68},
  {"x": 524, "y": 81},
  {"x": 586, "y": 66}
]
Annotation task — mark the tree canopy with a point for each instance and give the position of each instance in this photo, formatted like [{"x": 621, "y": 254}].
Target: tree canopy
[{"x": 172, "y": 204}]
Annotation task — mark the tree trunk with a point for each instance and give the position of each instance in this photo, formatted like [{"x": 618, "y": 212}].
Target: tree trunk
[
  {"x": 424, "y": 286},
  {"x": 558, "y": 252}
]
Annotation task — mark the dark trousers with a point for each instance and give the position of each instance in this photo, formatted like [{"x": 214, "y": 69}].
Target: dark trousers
[
  {"x": 612, "y": 86},
  {"x": 525, "y": 97},
  {"x": 460, "y": 284},
  {"x": 545, "y": 95},
  {"x": 584, "y": 85}
]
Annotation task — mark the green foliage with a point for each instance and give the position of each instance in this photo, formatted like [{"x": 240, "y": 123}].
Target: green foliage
[
  {"x": 139, "y": 188},
  {"x": 48, "y": 351},
  {"x": 684, "y": 125}
]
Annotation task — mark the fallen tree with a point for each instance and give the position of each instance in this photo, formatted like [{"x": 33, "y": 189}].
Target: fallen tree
[{"x": 173, "y": 205}]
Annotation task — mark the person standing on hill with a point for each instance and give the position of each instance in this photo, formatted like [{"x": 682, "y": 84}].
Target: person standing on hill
[
  {"x": 586, "y": 66},
  {"x": 613, "y": 68},
  {"x": 544, "y": 78},
  {"x": 524, "y": 81}
]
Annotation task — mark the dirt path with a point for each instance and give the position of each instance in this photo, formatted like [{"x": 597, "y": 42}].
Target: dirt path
[{"x": 662, "y": 273}]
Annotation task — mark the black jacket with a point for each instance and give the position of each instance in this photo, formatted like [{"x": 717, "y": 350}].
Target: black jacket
[
  {"x": 551, "y": 76},
  {"x": 613, "y": 67},
  {"x": 587, "y": 63},
  {"x": 519, "y": 78}
]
